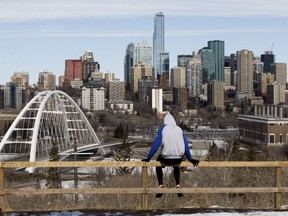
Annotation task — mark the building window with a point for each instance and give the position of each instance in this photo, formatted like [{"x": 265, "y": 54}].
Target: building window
[
  {"x": 280, "y": 138},
  {"x": 271, "y": 138}
]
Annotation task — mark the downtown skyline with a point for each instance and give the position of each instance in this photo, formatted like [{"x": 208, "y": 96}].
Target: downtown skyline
[{"x": 41, "y": 35}]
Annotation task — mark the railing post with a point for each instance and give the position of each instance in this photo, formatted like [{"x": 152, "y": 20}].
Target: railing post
[
  {"x": 144, "y": 198},
  {"x": 278, "y": 184},
  {"x": 2, "y": 195}
]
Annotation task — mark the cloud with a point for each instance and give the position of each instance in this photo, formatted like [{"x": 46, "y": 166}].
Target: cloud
[
  {"x": 19, "y": 10},
  {"x": 59, "y": 32}
]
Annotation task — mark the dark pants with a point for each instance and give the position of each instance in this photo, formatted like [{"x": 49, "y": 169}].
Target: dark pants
[{"x": 175, "y": 163}]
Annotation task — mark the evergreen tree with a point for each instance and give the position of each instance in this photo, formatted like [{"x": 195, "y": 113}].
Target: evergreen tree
[
  {"x": 213, "y": 153},
  {"x": 124, "y": 152},
  {"x": 121, "y": 131}
]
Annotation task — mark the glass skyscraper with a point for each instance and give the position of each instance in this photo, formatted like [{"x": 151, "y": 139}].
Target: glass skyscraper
[
  {"x": 267, "y": 58},
  {"x": 135, "y": 54},
  {"x": 208, "y": 65},
  {"x": 217, "y": 47},
  {"x": 158, "y": 41}
]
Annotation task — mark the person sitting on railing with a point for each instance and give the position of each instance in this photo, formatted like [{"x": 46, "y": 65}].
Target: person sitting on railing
[{"x": 174, "y": 147}]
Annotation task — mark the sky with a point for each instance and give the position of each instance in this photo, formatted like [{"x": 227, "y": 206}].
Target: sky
[{"x": 40, "y": 35}]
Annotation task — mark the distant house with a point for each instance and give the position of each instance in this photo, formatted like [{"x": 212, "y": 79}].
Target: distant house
[{"x": 122, "y": 106}]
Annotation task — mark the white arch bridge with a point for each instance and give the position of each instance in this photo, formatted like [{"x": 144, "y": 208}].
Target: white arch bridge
[{"x": 50, "y": 119}]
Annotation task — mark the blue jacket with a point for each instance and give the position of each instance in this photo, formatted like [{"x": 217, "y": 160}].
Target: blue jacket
[{"x": 173, "y": 140}]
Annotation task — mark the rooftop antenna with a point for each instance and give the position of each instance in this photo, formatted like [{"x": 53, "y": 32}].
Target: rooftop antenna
[{"x": 271, "y": 49}]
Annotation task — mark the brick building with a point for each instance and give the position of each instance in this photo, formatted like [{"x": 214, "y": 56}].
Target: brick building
[{"x": 266, "y": 127}]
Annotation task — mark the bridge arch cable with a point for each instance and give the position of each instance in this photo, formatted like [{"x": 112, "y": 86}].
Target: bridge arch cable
[{"x": 50, "y": 118}]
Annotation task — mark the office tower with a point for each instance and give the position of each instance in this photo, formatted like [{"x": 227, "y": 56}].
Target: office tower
[
  {"x": 138, "y": 72},
  {"x": 158, "y": 41},
  {"x": 128, "y": 63},
  {"x": 156, "y": 99},
  {"x": 164, "y": 63},
  {"x": 180, "y": 97},
  {"x": 144, "y": 85},
  {"x": 194, "y": 76},
  {"x": 88, "y": 65},
  {"x": 13, "y": 96},
  {"x": 227, "y": 71},
  {"x": 46, "y": 81},
  {"x": 280, "y": 72},
  {"x": 142, "y": 54},
  {"x": 25, "y": 75},
  {"x": 245, "y": 72},
  {"x": 116, "y": 90},
  {"x": 208, "y": 64},
  {"x": 267, "y": 58},
  {"x": 233, "y": 69},
  {"x": 275, "y": 93},
  {"x": 93, "y": 96},
  {"x": 264, "y": 79},
  {"x": 73, "y": 69},
  {"x": 217, "y": 47},
  {"x": 215, "y": 94},
  {"x": 178, "y": 77},
  {"x": 183, "y": 60}
]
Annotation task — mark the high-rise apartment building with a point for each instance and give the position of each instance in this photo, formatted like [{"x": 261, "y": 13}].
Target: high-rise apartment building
[
  {"x": 267, "y": 58},
  {"x": 46, "y": 81},
  {"x": 138, "y": 72},
  {"x": 116, "y": 90},
  {"x": 61, "y": 80},
  {"x": 280, "y": 72},
  {"x": 215, "y": 94},
  {"x": 194, "y": 76},
  {"x": 178, "y": 77},
  {"x": 158, "y": 41},
  {"x": 144, "y": 85},
  {"x": 156, "y": 99},
  {"x": 73, "y": 69},
  {"x": 13, "y": 96},
  {"x": 93, "y": 96},
  {"x": 109, "y": 77},
  {"x": 275, "y": 93},
  {"x": 245, "y": 72},
  {"x": 24, "y": 75},
  {"x": 19, "y": 79},
  {"x": 217, "y": 47}
]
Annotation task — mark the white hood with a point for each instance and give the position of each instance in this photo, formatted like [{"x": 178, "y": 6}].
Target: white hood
[
  {"x": 169, "y": 120},
  {"x": 172, "y": 139}
]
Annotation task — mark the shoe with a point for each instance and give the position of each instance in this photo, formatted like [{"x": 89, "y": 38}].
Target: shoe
[
  {"x": 158, "y": 195},
  {"x": 179, "y": 194}
]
